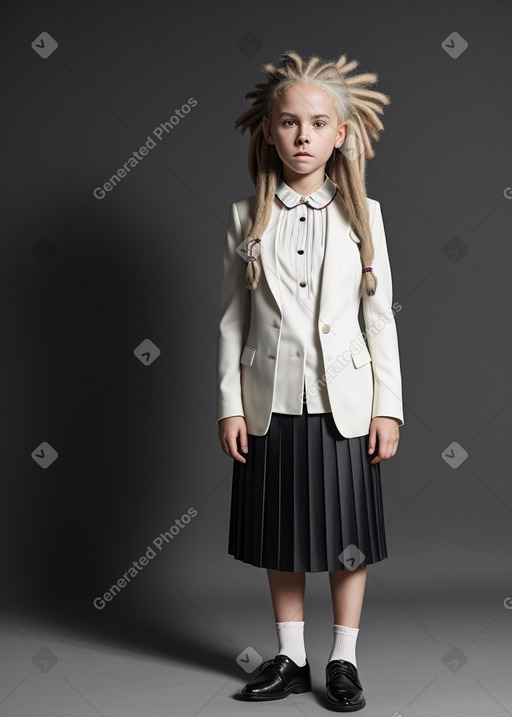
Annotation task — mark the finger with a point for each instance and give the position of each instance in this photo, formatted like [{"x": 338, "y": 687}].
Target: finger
[
  {"x": 233, "y": 449},
  {"x": 223, "y": 444},
  {"x": 387, "y": 449},
  {"x": 244, "y": 442},
  {"x": 371, "y": 440},
  {"x": 377, "y": 457}
]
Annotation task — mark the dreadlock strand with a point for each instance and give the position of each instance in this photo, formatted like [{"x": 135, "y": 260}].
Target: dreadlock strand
[
  {"x": 371, "y": 119},
  {"x": 361, "y": 134},
  {"x": 355, "y": 198},
  {"x": 266, "y": 183},
  {"x": 365, "y": 78},
  {"x": 292, "y": 58},
  {"x": 343, "y": 67},
  {"x": 312, "y": 64}
]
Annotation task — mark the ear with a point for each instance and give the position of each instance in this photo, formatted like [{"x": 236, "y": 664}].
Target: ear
[
  {"x": 340, "y": 135},
  {"x": 267, "y": 130}
]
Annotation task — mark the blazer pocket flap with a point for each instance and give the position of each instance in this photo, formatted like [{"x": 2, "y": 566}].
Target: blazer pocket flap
[
  {"x": 247, "y": 355},
  {"x": 361, "y": 357}
]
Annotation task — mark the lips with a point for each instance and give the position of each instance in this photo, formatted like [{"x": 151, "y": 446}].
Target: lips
[{"x": 302, "y": 154}]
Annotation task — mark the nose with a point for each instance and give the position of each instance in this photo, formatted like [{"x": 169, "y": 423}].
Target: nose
[{"x": 303, "y": 137}]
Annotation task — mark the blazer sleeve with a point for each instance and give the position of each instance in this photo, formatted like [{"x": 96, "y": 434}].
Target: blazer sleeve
[
  {"x": 380, "y": 329},
  {"x": 233, "y": 323}
]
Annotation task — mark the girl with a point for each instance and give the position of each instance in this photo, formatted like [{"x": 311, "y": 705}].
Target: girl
[{"x": 308, "y": 405}]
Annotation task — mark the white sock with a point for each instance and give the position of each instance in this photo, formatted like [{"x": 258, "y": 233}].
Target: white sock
[
  {"x": 290, "y": 636},
  {"x": 344, "y": 645}
]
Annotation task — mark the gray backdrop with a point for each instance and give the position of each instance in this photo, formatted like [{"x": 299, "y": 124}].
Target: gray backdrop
[{"x": 109, "y": 312}]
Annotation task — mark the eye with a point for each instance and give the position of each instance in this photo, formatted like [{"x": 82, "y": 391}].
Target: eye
[{"x": 318, "y": 123}]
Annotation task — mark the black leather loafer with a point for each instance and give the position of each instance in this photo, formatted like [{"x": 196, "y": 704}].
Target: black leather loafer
[
  {"x": 278, "y": 678},
  {"x": 344, "y": 690}
]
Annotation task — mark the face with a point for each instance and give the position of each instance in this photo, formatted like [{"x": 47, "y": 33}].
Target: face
[{"x": 304, "y": 120}]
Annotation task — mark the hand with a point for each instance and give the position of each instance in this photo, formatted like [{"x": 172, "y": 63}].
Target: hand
[
  {"x": 385, "y": 430},
  {"x": 230, "y": 429}
]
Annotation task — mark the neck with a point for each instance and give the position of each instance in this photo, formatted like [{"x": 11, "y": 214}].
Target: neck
[{"x": 304, "y": 184}]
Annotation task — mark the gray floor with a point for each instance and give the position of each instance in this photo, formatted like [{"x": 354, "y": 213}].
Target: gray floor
[{"x": 417, "y": 656}]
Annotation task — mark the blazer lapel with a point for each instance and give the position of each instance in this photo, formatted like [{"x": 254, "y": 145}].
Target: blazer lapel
[
  {"x": 268, "y": 252},
  {"x": 336, "y": 243}
]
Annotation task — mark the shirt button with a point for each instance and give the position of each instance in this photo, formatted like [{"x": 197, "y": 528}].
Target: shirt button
[
  {"x": 300, "y": 251},
  {"x": 326, "y": 328},
  {"x": 303, "y": 283},
  {"x": 302, "y": 219}
]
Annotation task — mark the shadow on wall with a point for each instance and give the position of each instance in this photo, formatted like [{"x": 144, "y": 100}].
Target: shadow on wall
[{"x": 101, "y": 444}]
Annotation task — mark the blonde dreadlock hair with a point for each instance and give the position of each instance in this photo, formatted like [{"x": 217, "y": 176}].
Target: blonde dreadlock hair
[{"x": 357, "y": 106}]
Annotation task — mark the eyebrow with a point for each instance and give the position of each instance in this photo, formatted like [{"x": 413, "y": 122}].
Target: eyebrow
[{"x": 292, "y": 115}]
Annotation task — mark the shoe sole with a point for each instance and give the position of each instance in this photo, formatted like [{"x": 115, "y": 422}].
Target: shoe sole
[
  {"x": 297, "y": 689},
  {"x": 346, "y": 708}
]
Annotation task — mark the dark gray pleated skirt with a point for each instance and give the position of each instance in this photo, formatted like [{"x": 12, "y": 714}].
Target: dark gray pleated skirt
[{"x": 308, "y": 499}]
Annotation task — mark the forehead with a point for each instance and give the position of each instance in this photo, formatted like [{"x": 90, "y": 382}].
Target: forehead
[{"x": 306, "y": 99}]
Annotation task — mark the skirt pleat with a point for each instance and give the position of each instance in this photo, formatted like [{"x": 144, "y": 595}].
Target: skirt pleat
[{"x": 307, "y": 499}]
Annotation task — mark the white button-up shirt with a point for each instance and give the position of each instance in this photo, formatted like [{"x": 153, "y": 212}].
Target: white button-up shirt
[{"x": 300, "y": 243}]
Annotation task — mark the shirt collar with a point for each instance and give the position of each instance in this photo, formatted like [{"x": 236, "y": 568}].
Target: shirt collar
[{"x": 317, "y": 200}]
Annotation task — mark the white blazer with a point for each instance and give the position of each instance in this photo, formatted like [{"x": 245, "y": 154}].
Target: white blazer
[{"x": 363, "y": 380}]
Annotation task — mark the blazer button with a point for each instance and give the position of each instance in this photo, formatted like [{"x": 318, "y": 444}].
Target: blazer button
[
  {"x": 326, "y": 328},
  {"x": 270, "y": 356}
]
